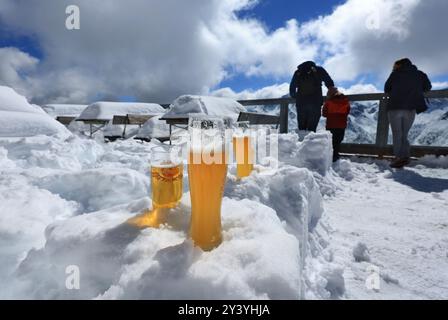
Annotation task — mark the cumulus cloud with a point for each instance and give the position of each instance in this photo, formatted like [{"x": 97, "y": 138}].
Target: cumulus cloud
[
  {"x": 365, "y": 37},
  {"x": 274, "y": 91},
  {"x": 157, "y": 50},
  {"x": 12, "y": 63},
  {"x": 440, "y": 85}
]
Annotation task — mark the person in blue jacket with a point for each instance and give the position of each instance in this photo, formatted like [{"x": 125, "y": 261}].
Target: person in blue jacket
[{"x": 306, "y": 88}]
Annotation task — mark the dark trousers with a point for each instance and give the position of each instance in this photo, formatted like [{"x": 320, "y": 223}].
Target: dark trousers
[
  {"x": 338, "y": 137},
  {"x": 308, "y": 116}
]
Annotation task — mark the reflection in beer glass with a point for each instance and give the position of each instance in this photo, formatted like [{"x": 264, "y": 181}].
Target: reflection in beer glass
[
  {"x": 243, "y": 150},
  {"x": 207, "y": 172},
  {"x": 166, "y": 186}
]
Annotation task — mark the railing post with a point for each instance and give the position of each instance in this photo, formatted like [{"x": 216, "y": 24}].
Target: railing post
[
  {"x": 284, "y": 111},
  {"x": 382, "y": 131}
]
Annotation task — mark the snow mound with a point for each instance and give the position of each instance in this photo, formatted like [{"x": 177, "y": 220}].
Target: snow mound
[
  {"x": 10, "y": 100},
  {"x": 97, "y": 189},
  {"x": 69, "y": 110},
  {"x": 107, "y": 110},
  {"x": 160, "y": 264},
  {"x": 90, "y": 189},
  {"x": 315, "y": 152},
  {"x": 212, "y": 106},
  {"x": 18, "y": 118},
  {"x": 23, "y": 124},
  {"x": 52, "y": 153},
  {"x": 154, "y": 128}
]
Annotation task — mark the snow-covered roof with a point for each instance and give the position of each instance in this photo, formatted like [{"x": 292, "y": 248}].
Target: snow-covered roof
[
  {"x": 57, "y": 110},
  {"x": 212, "y": 106},
  {"x": 19, "y": 118},
  {"x": 107, "y": 110}
]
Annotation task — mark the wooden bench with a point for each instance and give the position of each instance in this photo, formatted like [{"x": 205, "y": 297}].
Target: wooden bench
[
  {"x": 181, "y": 121},
  {"x": 259, "y": 119},
  {"x": 130, "y": 119},
  {"x": 65, "y": 120},
  {"x": 94, "y": 124}
]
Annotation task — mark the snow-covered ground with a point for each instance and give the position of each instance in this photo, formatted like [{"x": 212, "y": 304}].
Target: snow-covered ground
[
  {"x": 67, "y": 202},
  {"x": 301, "y": 230},
  {"x": 396, "y": 221}
]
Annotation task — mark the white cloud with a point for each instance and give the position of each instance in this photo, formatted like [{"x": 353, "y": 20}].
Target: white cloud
[
  {"x": 274, "y": 91},
  {"x": 155, "y": 50},
  {"x": 159, "y": 49},
  {"x": 364, "y": 37},
  {"x": 440, "y": 85},
  {"x": 12, "y": 63},
  {"x": 360, "y": 88}
]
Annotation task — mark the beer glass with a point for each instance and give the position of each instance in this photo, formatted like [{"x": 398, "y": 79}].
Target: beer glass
[
  {"x": 166, "y": 176},
  {"x": 166, "y": 186},
  {"x": 207, "y": 173},
  {"x": 243, "y": 150}
]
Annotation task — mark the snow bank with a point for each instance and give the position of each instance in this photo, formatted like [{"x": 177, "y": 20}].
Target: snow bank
[
  {"x": 118, "y": 261},
  {"x": 154, "y": 128},
  {"x": 18, "y": 118},
  {"x": 107, "y": 110},
  {"x": 10, "y": 100},
  {"x": 107, "y": 188},
  {"x": 42, "y": 152},
  {"x": 212, "y": 106},
  {"x": 315, "y": 152},
  {"x": 88, "y": 190},
  {"x": 69, "y": 110},
  {"x": 23, "y": 124}
]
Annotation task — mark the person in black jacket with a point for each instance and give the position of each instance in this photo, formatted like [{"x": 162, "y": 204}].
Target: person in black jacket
[
  {"x": 405, "y": 87},
  {"x": 306, "y": 88}
]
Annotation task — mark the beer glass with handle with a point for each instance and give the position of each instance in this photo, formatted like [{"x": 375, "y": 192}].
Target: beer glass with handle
[
  {"x": 207, "y": 173},
  {"x": 166, "y": 186}
]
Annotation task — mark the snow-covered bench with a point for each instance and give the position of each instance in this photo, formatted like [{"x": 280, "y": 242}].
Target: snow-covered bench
[
  {"x": 100, "y": 114},
  {"x": 129, "y": 119},
  {"x": 259, "y": 118}
]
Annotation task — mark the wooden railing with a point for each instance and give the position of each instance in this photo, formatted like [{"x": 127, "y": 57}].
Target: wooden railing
[{"x": 380, "y": 147}]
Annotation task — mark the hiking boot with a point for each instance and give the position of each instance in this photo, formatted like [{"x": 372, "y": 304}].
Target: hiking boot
[{"x": 399, "y": 163}]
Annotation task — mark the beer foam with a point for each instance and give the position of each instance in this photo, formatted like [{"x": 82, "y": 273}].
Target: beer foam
[{"x": 166, "y": 165}]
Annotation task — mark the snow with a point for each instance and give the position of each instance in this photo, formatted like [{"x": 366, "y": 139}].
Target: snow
[
  {"x": 18, "y": 118},
  {"x": 212, "y": 106},
  {"x": 155, "y": 128},
  {"x": 10, "y": 100},
  {"x": 69, "y": 110},
  {"x": 395, "y": 221},
  {"x": 66, "y": 202},
  {"x": 303, "y": 229},
  {"x": 107, "y": 110}
]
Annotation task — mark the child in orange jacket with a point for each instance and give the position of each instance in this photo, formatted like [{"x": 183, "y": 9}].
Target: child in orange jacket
[{"x": 336, "y": 109}]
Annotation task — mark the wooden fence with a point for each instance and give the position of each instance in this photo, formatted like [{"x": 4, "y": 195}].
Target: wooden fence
[{"x": 380, "y": 147}]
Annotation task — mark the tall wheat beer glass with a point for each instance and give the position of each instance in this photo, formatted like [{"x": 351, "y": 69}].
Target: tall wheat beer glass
[
  {"x": 243, "y": 150},
  {"x": 207, "y": 172}
]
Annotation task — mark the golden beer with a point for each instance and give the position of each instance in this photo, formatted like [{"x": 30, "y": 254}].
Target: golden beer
[
  {"x": 166, "y": 185},
  {"x": 244, "y": 155},
  {"x": 206, "y": 189}
]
